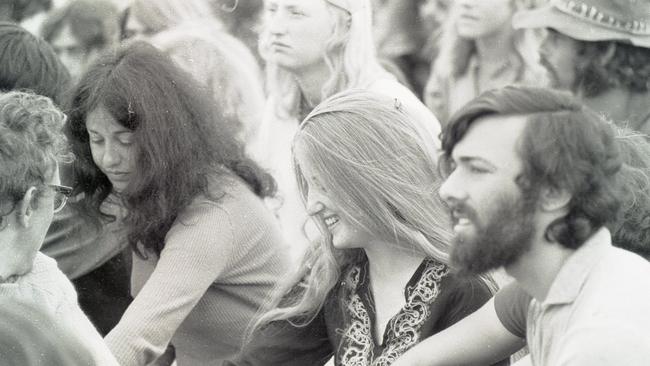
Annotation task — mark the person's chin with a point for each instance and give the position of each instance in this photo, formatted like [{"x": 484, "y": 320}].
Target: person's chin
[
  {"x": 339, "y": 244},
  {"x": 467, "y": 256},
  {"x": 119, "y": 187},
  {"x": 341, "y": 241}
]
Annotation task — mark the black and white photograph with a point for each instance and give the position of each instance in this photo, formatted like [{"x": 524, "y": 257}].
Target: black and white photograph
[{"x": 324, "y": 182}]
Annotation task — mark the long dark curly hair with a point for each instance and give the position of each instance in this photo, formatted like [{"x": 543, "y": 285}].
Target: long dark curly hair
[{"x": 180, "y": 140}]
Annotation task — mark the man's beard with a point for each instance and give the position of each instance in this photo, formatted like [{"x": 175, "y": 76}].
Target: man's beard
[{"x": 506, "y": 235}]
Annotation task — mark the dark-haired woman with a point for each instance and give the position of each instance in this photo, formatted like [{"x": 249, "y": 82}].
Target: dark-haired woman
[{"x": 206, "y": 250}]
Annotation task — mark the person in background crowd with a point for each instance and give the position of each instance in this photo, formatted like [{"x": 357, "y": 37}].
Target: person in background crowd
[
  {"x": 145, "y": 18},
  {"x": 402, "y": 33},
  {"x": 242, "y": 19},
  {"x": 18, "y": 10},
  {"x": 31, "y": 147},
  {"x": 235, "y": 85},
  {"x": 200, "y": 45},
  {"x": 205, "y": 248},
  {"x": 90, "y": 258},
  {"x": 314, "y": 49},
  {"x": 378, "y": 282},
  {"x": 552, "y": 169},
  {"x": 599, "y": 49},
  {"x": 28, "y": 62},
  {"x": 80, "y": 30},
  {"x": 479, "y": 51},
  {"x": 499, "y": 328}
]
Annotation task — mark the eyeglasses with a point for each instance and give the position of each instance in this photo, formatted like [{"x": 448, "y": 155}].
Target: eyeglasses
[{"x": 62, "y": 193}]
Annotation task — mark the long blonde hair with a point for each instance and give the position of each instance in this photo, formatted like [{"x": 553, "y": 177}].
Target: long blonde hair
[
  {"x": 456, "y": 52},
  {"x": 381, "y": 167},
  {"x": 350, "y": 56}
]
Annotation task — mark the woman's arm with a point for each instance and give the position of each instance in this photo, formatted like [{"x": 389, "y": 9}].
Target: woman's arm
[
  {"x": 198, "y": 249},
  {"x": 479, "y": 339},
  {"x": 490, "y": 334}
]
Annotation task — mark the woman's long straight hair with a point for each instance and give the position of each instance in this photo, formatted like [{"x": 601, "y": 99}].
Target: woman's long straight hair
[{"x": 380, "y": 166}]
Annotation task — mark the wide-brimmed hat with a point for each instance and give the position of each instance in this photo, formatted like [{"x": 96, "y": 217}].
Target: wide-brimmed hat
[{"x": 592, "y": 20}]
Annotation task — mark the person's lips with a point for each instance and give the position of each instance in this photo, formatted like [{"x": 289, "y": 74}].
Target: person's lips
[
  {"x": 468, "y": 17},
  {"x": 462, "y": 217},
  {"x": 280, "y": 45},
  {"x": 117, "y": 175},
  {"x": 331, "y": 220}
]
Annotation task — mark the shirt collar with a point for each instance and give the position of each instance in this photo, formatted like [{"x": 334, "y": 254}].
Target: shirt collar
[{"x": 575, "y": 271}]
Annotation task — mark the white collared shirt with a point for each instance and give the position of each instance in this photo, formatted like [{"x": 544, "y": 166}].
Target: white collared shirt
[{"x": 597, "y": 311}]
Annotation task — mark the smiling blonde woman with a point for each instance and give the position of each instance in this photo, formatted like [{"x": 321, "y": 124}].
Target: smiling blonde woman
[{"x": 378, "y": 282}]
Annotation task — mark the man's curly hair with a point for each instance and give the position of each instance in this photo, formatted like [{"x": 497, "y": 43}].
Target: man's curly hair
[
  {"x": 628, "y": 68},
  {"x": 564, "y": 146},
  {"x": 31, "y": 144}
]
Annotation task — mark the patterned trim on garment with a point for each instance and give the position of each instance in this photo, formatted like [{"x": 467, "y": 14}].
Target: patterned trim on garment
[
  {"x": 357, "y": 338},
  {"x": 596, "y": 15},
  {"x": 403, "y": 329}
]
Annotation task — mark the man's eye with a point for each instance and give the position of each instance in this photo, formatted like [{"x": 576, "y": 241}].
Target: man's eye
[{"x": 477, "y": 170}]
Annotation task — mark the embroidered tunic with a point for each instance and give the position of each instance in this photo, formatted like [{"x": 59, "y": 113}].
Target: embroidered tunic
[{"x": 435, "y": 299}]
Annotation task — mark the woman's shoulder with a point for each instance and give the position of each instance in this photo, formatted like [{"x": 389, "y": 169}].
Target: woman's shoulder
[
  {"x": 229, "y": 220},
  {"x": 227, "y": 194}
]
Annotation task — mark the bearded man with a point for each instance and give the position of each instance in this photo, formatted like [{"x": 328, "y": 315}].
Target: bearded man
[
  {"x": 532, "y": 179},
  {"x": 599, "y": 50}
]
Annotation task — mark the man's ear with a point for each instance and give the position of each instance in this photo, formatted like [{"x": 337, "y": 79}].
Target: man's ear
[
  {"x": 552, "y": 199},
  {"x": 25, "y": 208}
]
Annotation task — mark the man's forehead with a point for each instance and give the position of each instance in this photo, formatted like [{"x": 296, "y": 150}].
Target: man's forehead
[{"x": 491, "y": 137}]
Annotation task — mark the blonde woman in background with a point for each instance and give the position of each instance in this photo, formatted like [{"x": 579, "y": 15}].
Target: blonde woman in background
[
  {"x": 198, "y": 42},
  {"x": 314, "y": 49},
  {"x": 378, "y": 282},
  {"x": 226, "y": 68},
  {"x": 147, "y": 17},
  {"x": 479, "y": 51}
]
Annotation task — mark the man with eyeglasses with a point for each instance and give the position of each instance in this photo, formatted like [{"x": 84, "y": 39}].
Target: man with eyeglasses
[{"x": 31, "y": 148}]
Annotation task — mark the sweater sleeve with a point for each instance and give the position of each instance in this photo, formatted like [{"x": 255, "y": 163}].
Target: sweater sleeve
[{"x": 197, "y": 251}]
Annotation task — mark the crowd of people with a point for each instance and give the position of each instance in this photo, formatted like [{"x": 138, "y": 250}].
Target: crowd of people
[{"x": 312, "y": 182}]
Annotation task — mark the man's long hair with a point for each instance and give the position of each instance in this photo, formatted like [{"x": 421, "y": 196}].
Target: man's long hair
[{"x": 564, "y": 146}]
